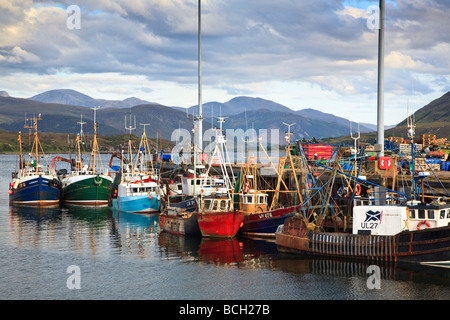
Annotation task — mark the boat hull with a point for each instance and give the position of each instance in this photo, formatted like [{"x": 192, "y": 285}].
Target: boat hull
[
  {"x": 88, "y": 190},
  {"x": 223, "y": 224},
  {"x": 137, "y": 204},
  {"x": 420, "y": 246},
  {"x": 36, "y": 190},
  {"x": 179, "y": 217},
  {"x": 265, "y": 224},
  {"x": 180, "y": 225}
]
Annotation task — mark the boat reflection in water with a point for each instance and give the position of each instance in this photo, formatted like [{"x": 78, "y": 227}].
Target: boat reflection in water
[
  {"x": 221, "y": 251},
  {"x": 86, "y": 230},
  {"x": 102, "y": 232},
  {"x": 236, "y": 252}
]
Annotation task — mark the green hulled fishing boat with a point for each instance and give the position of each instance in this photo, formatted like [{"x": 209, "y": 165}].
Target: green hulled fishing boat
[{"x": 87, "y": 184}]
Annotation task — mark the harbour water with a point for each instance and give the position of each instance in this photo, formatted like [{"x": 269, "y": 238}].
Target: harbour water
[{"x": 125, "y": 256}]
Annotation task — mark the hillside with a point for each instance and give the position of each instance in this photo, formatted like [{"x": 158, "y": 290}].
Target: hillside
[{"x": 434, "y": 118}]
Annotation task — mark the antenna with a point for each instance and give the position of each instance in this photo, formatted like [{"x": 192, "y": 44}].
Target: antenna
[
  {"x": 146, "y": 124},
  {"x": 81, "y": 129},
  {"x": 355, "y": 138},
  {"x": 410, "y": 124},
  {"x": 95, "y": 118},
  {"x": 289, "y": 133},
  {"x": 131, "y": 126},
  {"x": 221, "y": 120}
]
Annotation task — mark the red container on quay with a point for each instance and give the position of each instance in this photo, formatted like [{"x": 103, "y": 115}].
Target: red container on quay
[{"x": 323, "y": 151}]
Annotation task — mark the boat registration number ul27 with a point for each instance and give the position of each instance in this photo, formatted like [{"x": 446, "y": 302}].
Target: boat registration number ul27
[{"x": 369, "y": 225}]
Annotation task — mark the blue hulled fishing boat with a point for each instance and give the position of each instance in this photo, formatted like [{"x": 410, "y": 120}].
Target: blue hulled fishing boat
[{"x": 33, "y": 184}]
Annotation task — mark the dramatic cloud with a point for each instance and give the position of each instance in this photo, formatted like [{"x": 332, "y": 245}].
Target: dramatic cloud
[{"x": 318, "y": 54}]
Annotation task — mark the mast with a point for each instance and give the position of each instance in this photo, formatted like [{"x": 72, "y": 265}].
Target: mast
[
  {"x": 411, "y": 132},
  {"x": 130, "y": 128},
  {"x": 20, "y": 151},
  {"x": 95, "y": 145},
  {"x": 200, "y": 107},
  {"x": 380, "y": 96},
  {"x": 355, "y": 138},
  {"x": 36, "y": 142}
]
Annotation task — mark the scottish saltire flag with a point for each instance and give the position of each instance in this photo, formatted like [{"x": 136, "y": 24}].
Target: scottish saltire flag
[{"x": 373, "y": 216}]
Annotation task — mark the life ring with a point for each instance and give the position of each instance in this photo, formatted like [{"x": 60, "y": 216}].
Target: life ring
[
  {"x": 246, "y": 188},
  {"x": 357, "y": 189},
  {"x": 423, "y": 223}
]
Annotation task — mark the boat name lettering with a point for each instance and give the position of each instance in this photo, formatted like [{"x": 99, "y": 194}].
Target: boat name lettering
[
  {"x": 190, "y": 203},
  {"x": 265, "y": 215}
]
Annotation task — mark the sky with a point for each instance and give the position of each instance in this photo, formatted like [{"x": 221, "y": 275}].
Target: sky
[{"x": 319, "y": 54}]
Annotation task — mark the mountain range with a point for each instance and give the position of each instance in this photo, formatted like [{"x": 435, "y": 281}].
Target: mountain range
[
  {"x": 258, "y": 113},
  {"x": 62, "y": 110}
]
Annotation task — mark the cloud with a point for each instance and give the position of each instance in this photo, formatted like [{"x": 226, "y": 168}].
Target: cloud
[
  {"x": 17, "y": 56},
  {"x": 246, "y": 45}
]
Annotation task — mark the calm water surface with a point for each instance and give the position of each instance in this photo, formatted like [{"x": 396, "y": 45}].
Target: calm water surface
[{"x": 125, "y": 256}]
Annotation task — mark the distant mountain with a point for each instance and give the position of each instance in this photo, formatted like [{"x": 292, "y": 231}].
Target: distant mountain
[
  {"x": 237, "y": 105},
  {"x": 241, "y": 112},
  {"x": 59, "y": 118},
  {"x": 75, "y": 98},
  {"x": 4, "y": 94}
]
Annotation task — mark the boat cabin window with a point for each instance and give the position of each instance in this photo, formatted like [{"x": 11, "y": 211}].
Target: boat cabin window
[
  {"x": 248, "y": 199},
  {"x": 430, "y": 214},
  {"x": 262, "y": 199},
  {"x": 442, "y": 214},
  {"x": 448, "y": 213},
  {"x": 223, "y": 205},
  {"x": 421, "y": 214},
  {"x": 143, "y": 189},
  {"x": 412, "y": 214},
  {"x": 207, "y": 204}
]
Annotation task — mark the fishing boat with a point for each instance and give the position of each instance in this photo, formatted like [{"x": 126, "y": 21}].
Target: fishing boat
[
  {"x": 260, "y": 219},
  {"x": 33, "y": 184},
  {"x": 414, "y": 232},
  {"x": 136, "y": 187},
  {"x": 87, "y": 184},
  {"x": 178, "y": 216},
  {"x": 217, "y": 215},
  {"x": 387, "y": 226},
  {"x": 179, "y": 210}
]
